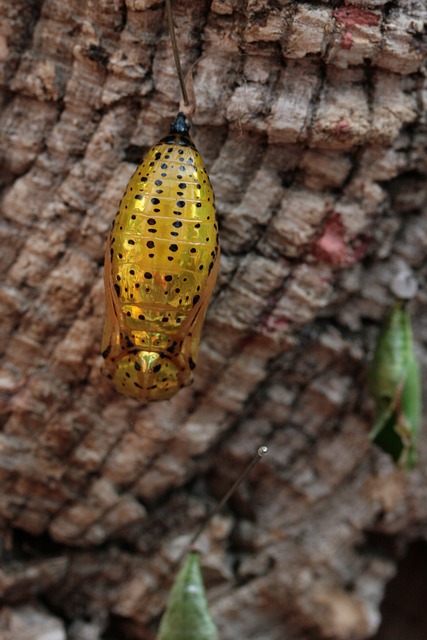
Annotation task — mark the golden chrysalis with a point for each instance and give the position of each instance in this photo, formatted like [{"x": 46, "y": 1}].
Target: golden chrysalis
[{"x": 161, "y": 265}]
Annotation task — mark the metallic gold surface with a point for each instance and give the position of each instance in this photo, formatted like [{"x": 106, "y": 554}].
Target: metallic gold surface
[{"x": 161, "y": 264}]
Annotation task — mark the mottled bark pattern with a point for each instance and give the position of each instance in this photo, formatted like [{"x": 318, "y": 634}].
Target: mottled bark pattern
[{"x": 311, "y": 118}]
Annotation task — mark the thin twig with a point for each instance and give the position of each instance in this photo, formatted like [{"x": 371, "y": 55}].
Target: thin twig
[
  {"x": 176, "y": 52},
  {"x": 262, "y": 451}
]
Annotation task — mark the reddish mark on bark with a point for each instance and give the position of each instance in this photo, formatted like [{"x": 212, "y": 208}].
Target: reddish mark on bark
[
  {"x": 347, "y": 40},
  {"x": 274, "y": 324},
  {"x": 351, "y": 17},
  {"x": 343, "y": 125},
  {"x": 332, "y": 246}
]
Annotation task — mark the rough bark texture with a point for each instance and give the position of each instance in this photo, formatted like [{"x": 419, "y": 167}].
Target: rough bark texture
[{"x": 312, "y": 121}]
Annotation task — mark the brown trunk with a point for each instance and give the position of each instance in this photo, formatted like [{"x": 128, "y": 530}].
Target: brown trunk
[{"x": 311, "y": 119}]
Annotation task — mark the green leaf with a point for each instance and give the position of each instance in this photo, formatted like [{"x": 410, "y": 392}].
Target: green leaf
[
  {"x": 187, "y": 615},
  {"x": 394, "y": 381}
]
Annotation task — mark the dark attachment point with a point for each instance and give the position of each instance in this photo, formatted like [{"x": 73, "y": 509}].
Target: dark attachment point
[{"x": 180, "y": 125}]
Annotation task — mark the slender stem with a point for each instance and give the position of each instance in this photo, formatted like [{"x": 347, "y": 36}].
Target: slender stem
[
  {"x": 262, "y": 451},
  {"x": 176, "y": 52}
]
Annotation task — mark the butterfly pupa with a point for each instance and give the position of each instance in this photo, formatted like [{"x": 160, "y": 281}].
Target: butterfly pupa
[
  {"x": 187, "y": 615},
  {"x": 394, "y": 381},
  {"x": 161, "y": 264}
]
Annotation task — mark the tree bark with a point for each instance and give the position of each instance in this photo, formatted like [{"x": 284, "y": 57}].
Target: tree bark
[{"x": 311, "y": 118}]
